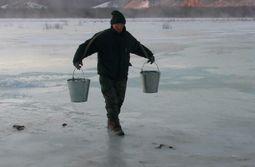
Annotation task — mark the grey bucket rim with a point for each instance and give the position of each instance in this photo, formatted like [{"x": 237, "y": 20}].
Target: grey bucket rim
[
  {"x": 77, "y": 79},
  {"x": 150, "y": 71}
]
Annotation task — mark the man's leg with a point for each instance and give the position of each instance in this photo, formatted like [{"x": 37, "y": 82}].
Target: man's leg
[
  {"x": 121, "y": 87},
  {"x": 110, "y": 96},
  {"x": 114, "y": 94}
]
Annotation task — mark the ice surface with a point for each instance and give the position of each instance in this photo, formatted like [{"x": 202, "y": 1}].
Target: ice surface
[{"x": 204, "y": 108}]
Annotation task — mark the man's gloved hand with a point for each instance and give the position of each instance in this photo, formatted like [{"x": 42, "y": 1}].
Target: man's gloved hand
[
  {"x": 151, "y": 59},
  {"x": 78, "y": 65}
]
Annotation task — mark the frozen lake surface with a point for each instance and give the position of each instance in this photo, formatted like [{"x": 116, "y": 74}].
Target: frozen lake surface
[{"x": 204, "y": 108}]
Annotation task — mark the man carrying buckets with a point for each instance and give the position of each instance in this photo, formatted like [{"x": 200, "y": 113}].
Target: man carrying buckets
[{"x": 113, "y": 46}]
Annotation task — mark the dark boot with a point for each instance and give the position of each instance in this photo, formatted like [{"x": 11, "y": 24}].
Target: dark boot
[{"x": 114, "y": 126}]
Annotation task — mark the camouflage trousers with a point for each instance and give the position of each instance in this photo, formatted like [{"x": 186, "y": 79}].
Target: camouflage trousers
[{"x": 114, "y": 95}]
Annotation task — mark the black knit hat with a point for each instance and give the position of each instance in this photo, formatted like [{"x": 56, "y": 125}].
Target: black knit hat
[{"x": 117, "y": 17}]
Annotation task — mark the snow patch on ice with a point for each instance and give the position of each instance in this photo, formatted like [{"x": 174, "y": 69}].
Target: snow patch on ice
[
  {"x": 33, "y": 80},
  {"x": 15, "y": 83},
  {"x": 4, "y": 6},
  {"x": 35, "y": 5}
]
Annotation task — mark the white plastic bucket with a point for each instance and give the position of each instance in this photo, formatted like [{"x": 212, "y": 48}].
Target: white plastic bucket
[
  {"x": 150, "y": 80},
  {"x": 78, "y": 89}
]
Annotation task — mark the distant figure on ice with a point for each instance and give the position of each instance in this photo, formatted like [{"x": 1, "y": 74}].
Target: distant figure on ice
[{"x": 113, "y": 46}]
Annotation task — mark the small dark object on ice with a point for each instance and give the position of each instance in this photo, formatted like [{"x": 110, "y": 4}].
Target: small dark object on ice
[
  {"x": 164, "y": 145},
  {"x": 64, "y": 124},
  {"x": 19, "y": 127}
]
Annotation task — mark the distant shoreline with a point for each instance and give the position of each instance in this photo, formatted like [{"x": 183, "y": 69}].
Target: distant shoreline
[{"x": 177, "y": 12}]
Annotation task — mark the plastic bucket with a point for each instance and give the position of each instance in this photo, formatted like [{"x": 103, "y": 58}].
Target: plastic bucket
[
  {"x": 78, "y": 89},
  {"x": 150, "y": 80}
]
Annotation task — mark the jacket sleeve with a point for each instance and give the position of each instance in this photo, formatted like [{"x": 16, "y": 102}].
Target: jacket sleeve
[
  {"x": 141, "y": 50},
  {"x": 80, "y": 52}
]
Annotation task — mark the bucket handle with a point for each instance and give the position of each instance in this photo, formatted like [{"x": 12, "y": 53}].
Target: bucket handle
[
  {"x": 81, "y": 70},
  {"x": 146, "y": 63}
]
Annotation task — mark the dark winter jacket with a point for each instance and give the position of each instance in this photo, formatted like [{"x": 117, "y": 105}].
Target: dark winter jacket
[{"x": 113, "y": 50}]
